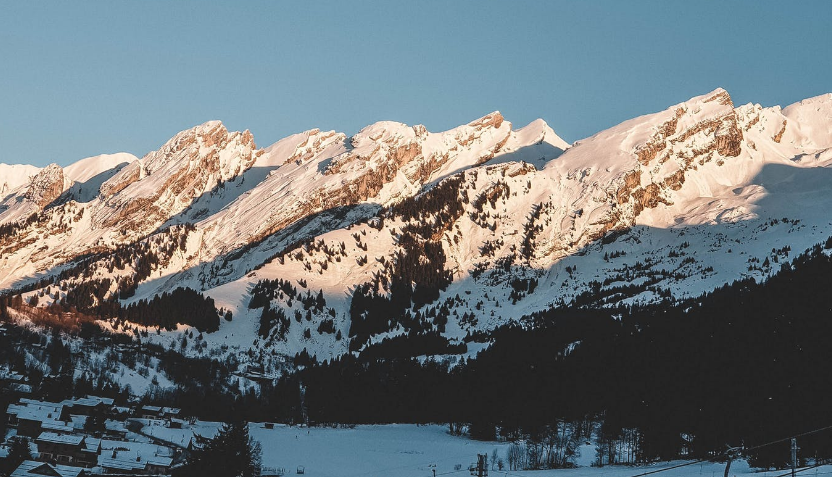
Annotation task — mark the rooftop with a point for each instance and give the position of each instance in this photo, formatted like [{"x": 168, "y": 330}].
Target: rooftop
[
  {"x": 31, "y": 468},
  {"x": 56, "y": 438}
]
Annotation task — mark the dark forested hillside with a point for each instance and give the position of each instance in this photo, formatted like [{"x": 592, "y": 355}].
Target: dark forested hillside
[{"x": 744, "y": 364}]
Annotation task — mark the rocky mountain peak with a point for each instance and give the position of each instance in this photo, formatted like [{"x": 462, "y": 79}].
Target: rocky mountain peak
[
  {"x": 663, "y": 203},
  {"x": 46, "y": 186},
  {"x": 494, "y": 119},
  {"x": 166, "y": 181}
]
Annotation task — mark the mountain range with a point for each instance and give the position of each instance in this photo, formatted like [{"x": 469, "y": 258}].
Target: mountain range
[{"x": 330, "y": 243}]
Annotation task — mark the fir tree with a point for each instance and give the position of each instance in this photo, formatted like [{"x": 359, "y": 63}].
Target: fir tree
[{"x": 232, "y": 453}]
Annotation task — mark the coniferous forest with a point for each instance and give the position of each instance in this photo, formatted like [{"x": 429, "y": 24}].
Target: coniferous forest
[{"x": 744, "y": 364}]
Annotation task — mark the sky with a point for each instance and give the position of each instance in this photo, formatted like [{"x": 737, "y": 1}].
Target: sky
[{"x": 79, "y": 79}]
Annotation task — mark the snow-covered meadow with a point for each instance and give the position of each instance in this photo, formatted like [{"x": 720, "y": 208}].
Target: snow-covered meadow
[{"x": 408, "y": 450}]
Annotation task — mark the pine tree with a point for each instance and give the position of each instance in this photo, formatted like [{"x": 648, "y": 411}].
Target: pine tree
[{"x": 232, "y": 453}]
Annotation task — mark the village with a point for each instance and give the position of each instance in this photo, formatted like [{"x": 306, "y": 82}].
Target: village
[{"x": 93, "y": 436}]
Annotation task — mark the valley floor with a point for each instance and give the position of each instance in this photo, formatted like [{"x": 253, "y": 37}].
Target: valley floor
[{"x": 414, "y": 451}]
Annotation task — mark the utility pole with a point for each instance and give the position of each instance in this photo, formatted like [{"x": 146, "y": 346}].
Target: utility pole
[
  {"x": 731, "y": 453},
  {"x": 794, "y": 455},
  {"x": 482, "y": 465}
]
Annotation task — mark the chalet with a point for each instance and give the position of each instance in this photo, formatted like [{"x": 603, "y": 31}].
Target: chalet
[
  {"x": 30, "y": 468},
  {"x": 256, "y": 373},
  {"x": 124, "y": 463},
  {"x": 107, "y": 401},
  {"x": 115, "y": 429},
  {"x": 151, "y": 412},
  {"x": 174, "y": 423},
  {"x": 77, "y": 450},
  {"x": 33, "y": 417},
  {"x": 88, "y": 406},
  {"x": 171, "y": 412},
  {"x": 157, "y": 412},
  {"x": 135, "y": 458}
]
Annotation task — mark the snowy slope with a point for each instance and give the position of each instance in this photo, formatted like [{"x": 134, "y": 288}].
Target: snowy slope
[
  {"x": 698, "y": 192},
  {"x": 669, "y": 204},
  {"x": 87, "y": 175},
  {"x": 13, "y": 176}
]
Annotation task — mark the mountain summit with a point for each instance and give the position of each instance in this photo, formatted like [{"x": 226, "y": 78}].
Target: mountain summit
[{"x": 328, "y": 243}]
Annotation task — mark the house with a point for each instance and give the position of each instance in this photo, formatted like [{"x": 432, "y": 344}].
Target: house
[
  {"x": 115, "y": 429},
  {"x": 158, "y": 412},
  {"x": 257, "y": 373},
  {"x": 77, "y": 450},
  {"x": 109, "y": 402},
  {"x": 174, "y": 423},
  {"x": 88, "y": 406},
  {"x": 32, "y": 417},
  {"x": 121, "y": 457},
  {"x": 123, "y": 412},
  {"x": 151, "y": 412},
  {"x": 171, "y": 412},
  {"x": 30, "y": 468}
]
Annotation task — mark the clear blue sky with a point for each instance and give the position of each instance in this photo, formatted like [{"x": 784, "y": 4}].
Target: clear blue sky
[{"x": 84, "y": 78}]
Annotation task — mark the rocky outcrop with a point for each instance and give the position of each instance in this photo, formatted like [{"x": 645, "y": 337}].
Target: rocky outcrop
[
  {"x": 315, "y": 142},
  {"x": 779, "y": 136},
  {"x": 119, "y": 182},
  {"x": 632, "y": 180},
  {"x": 46, "y": 186},
  {"x": 648, "y": 197},
  {"x": 722, "y": 97},
  {"x": 658, "y": 143},
  {"x": 163, "y": 183},
  {"x": 728, "y": 137}
]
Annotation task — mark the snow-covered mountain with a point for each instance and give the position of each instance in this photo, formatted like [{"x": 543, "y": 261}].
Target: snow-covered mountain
[{"x": 322, "y": 239}]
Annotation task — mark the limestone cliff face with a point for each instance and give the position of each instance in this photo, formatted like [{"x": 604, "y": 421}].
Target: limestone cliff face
[
  {"x": 532, "y": 196},
  {"x": 46, "y": 186},
  {"x": 382, "y": 164},
  {"x": 606, "y": 182},
  {"x": 381, "y": 151},
  {"x": 163, "y": 183},
  {"x": 695, "y": 134}
]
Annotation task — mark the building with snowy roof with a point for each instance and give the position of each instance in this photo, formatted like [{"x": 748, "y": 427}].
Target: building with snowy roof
[
  {"x": 30, "y": 468},
  {"x": 159, "y": 412},
  {"x": 135, "y": 458},
  {"x": 32, "y": 417},
  {"x": 88, "y": 406},
  {"x": 68, "y": 449}
]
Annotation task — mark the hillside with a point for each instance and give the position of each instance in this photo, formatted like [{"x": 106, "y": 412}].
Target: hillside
[{"x": 328, "y": 243}]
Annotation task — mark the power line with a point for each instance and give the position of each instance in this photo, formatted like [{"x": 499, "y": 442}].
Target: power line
[
  {"x": 643, "y": 474},
  {"x": 789, "y": 438},
  {"x": 802, "y": 470},
  {"x": 744, "y": 450}
]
